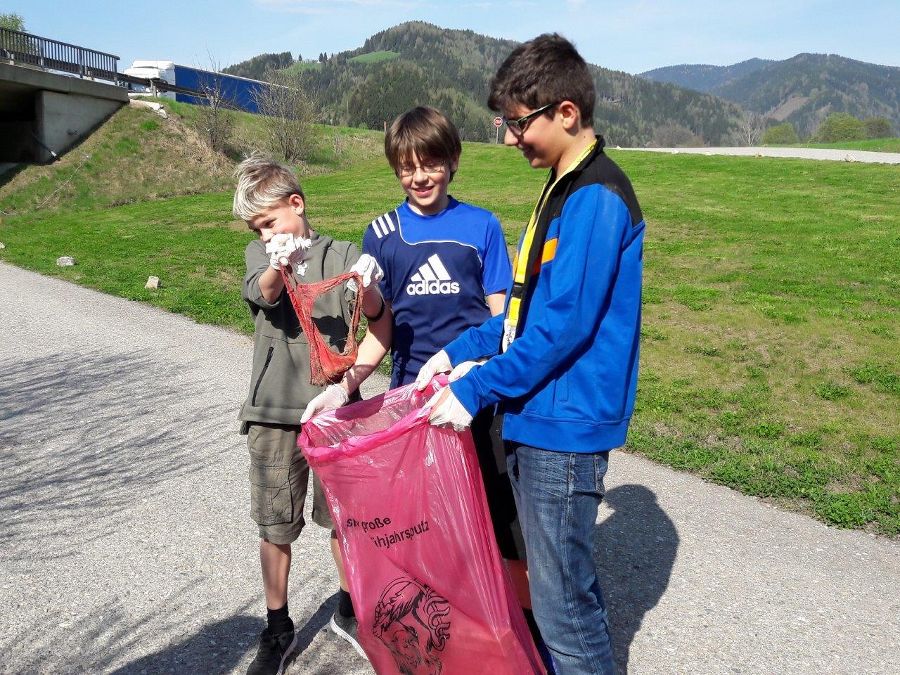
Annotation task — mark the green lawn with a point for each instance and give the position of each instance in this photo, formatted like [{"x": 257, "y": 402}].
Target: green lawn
[
  {"x": 872, "y": 144},
  {"x": 771, "y": 303}
]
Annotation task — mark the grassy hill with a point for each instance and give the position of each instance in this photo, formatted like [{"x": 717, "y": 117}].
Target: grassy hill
[
  {"x": 771, "y": 309},
  {"x": 134, "y": 156},
  {"x": 138, "y": 156},
  {"x": 417, "y": 63}
]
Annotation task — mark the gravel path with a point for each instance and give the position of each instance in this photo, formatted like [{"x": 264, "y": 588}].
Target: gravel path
[
  {"x": 864, "y": 156},
  {"x": 125, "y": 544}
]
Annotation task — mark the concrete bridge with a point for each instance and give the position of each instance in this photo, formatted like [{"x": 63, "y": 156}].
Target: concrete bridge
[{"x": 44, "y": 113}]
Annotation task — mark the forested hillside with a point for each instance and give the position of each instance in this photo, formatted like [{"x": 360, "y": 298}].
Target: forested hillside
[
  {"x": 257, "y": 67},
  {"x": 416, "y": 63},
  {"x": 704, "y": 77},
  {"x": 632, "y": 111},
  {"x": 801, "y": 90},
  {"x": 449, "y": 69}
]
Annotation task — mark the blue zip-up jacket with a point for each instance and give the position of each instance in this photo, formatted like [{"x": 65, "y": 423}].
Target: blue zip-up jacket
[{"x": 568, "y": 381}]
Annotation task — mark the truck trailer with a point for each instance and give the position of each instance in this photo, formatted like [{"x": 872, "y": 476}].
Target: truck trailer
[{"x": 188, "y": 84}]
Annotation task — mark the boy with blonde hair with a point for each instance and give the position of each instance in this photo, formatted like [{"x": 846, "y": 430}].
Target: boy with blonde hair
[{"x": 269, "y": 198}]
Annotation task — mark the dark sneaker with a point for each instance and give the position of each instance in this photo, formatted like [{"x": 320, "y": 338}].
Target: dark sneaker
[
  {"x": 346, "y": 628},
  {"x": 274, "y": 649}
]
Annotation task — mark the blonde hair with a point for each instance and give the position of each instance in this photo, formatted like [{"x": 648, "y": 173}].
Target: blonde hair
[{"x": 261, "y": 184}]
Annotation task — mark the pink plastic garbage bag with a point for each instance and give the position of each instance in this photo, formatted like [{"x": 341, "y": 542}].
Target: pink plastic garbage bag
[{"x": 430, "y": 590}]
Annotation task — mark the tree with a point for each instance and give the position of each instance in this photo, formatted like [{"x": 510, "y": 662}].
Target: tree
[
  {"x": 287, "y": 113},
  {"x": 22, "y": 48},
  {"x": 752, "y": 126},
  {"x": 878, "y": 127},
  {"x": 217, "y": 118},
  {"x": 841, "y": 127},
  {"x": 781, "y": 134},
  {"x": 673, "y": 135},
  {"x": 12, "y": 22}
]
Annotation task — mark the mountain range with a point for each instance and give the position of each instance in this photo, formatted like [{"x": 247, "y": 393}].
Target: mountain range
[
  {"x": 703, "y": 77},
  {"x": 419, "y": 63},
  {"x": 801, "y": 90}
]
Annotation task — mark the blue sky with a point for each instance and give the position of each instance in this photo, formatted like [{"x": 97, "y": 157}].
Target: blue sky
[{"x": 633, "y": 36}]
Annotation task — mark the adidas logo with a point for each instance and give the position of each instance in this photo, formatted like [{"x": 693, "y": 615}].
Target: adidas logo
[{"x": 432, "y": 279}]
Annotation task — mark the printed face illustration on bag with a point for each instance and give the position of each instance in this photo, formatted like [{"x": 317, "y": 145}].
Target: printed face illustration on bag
[{"x": 413, "y": 622}]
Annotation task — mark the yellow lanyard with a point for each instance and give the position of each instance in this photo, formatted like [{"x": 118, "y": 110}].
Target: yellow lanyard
[{"x": 523, "y": 255}]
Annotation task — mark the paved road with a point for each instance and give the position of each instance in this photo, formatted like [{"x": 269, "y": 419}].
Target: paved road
[
  {"x": 125, "y": 544},
  {"x": 864, "y": 156}
]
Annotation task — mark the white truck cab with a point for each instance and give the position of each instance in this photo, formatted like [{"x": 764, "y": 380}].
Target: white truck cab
[{"x": 163, "y": 70}]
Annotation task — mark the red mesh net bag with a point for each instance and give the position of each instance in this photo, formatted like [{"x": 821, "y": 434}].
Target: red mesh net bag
[{"x": 325, "y": 365}]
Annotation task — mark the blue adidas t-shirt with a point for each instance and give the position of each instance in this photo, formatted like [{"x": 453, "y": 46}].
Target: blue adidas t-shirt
[{"x": 437, "y": 271}]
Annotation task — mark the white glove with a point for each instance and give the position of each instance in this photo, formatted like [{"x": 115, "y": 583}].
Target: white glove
[
  {"x": 509, "y": 334},
  {"x": 448, "y": 411},
  {"x": 369, "y": 269},
  {"x": 461, "y": 370},
  {"x": 439, "y": 363},
  {"x": 287, "y": 249},
  {"x": 332, "y": 398}
]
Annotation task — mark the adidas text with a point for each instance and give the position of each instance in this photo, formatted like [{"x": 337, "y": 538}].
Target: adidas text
[{"x": 433, "y": 288}]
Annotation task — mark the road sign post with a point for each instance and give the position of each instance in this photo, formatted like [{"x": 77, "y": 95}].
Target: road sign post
[{"x": 498, "y": 122}]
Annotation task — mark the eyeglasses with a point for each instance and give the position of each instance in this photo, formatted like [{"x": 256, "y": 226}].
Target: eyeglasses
[
  {"x": 518, "y": 126},
  {"x": 408, "y": 170}
]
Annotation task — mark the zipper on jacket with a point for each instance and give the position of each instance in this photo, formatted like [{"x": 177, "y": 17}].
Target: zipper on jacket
[{"x": 262, "y": 372}]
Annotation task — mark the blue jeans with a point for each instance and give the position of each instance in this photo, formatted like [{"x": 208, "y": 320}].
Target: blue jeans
[{"x": 557, "y": 495}]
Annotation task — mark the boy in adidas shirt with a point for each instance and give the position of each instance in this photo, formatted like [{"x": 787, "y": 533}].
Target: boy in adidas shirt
[
  {"x": 446, "y": 269},
  {"x": 445, "y": 262}
]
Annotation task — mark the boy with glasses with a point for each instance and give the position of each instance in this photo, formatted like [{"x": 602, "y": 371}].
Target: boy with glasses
[
  {"x": 446, "y": 269},
  {"x": 564, "y": 355}
]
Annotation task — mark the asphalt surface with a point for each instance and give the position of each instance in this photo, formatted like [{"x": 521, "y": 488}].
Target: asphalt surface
[
  {"x": 864, "y": 156},
  {"x": 126, "y": 545}
]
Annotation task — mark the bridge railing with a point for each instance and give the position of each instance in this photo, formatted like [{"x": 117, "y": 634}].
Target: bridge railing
[{"x": 25, "y": 48}]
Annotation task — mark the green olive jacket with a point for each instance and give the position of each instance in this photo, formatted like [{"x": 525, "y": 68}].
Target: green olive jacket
[{"x": 280, "y": 381}]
